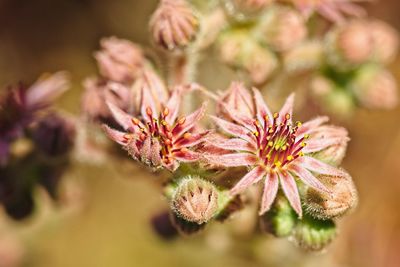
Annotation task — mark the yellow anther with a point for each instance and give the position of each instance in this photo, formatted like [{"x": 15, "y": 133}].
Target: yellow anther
[
  {"x": 303, "y": 144},
  {"x": 287, "y": 116},
  {"x": 277, "y": 146},
  {"x": 166, "y": 112},
  {"x": 270, "y": 131},
  {"x": 278, "y": 164},
  {"x": 257, "y": 123},
  {"x": 306, "y": 136},
  {"x": 187, "y": 135},
  {"x": 266, "y": 118},
  {"x": 290, "y": 157},
  {"x": 270, "y": 143},
  {"x": 301, "y": 154},
  {"x": 276, "y": 115},
  {"x": 298, "y": 123},
  {"x": 149, "y": 112},
  {"x": 256, "y": 133},
  {"x": 164, "y": 123},
  {"x": 284, "y": 147},
  {"x": 135, "y": 121}
]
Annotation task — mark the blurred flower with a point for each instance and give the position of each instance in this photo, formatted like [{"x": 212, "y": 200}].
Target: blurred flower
[
  {"x": 306, "y": 56},
  {"x": 328, "y": 206},
  {"x": 174, "y": 24},
  {"x": 54, "y": 135},
  {"x": 283, "y": 29},
  {"x": 159, "y": 138},
  {"x": 275, "y": 149},
  {"x": 333, "y": 10},
  {"x": 349, "y": 44},
  {"x": 195, "y": 200},
  {"x": 239, "y": 50},
  {"x": 385, "y": 41},
  {"x": 119, "y": 60},
  {"x": 242, "y": 10},
  {"x": 19, "y": 107},
  {"x": 375, "y": 88}
]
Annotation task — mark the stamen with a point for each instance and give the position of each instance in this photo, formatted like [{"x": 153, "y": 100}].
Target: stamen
[
  {"x": 166, "y": 112},
  {"x": 149, "y": 112},
  {"x": 182, "y": 120},
  {"x": 187, "y": 135},
  {"x": 135, "y": 121}
]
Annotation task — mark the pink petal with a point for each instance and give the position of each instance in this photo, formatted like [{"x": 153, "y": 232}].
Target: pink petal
[
  {"x": 232, "y": 160},
  {"x": 351, "y": 9},
  {"x": 261, "y": 107},
  {"x": 155, "y": 155},
  {"x": 114, "y": 135},
  {"x": 123, "y": 118},
  {"x": 331, "y": 13},
  {"x": 311, "y": 125},
  {"x": 187, "y": 156},
  {"x": 316, "y": 145},
  {"x": 289, "y": 187},
  {"x": 308, "y": 178},
  {"x": 237, "y": 117},
  {"x": 173, "y": 105},
  {"x": 148, "y": 102},
  {"x": 190, "y": 121},
  {"x": 287, "y": 108},
  {"x": 255, "y": 175},
  {"x": 317, "y": 166},
  {"x": 193, "y": 140},
  {"x": 230, "y": 144},
  {"x": 271, "y": 186},
  {"x": 233, "y": 129}
]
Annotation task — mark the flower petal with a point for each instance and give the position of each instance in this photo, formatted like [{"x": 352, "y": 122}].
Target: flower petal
[
  {"x": 122, "y": 118},
  {"x": 233, "y": 129},
  {"x": 252, "y": 177},
  {"x": 173, "y": 105},
  {"x": 311, "y": 125},
  {"x": 192, "y": 140},
  {"x": 261, "y": 107},
  {"x": 187, "y": 156},
  {"x": 115, "y": 135},
  {"x": 317, "y": 166},
  {"x": 289, "y": 187},
  {"x": 308, "y": 178},
  {"x": 287, "y": 108},
  {"x": 319, "y": 144},
  {"x": 236, "y": 144},
  {"x": 232, "y": 160},
  {"x": 271, "y": 186},
  {"x": 190, "y": 121}
]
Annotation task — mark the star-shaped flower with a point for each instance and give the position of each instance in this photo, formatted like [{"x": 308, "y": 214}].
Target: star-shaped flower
[
  {"x": 275, "y": 149},
  {"x": 157, "y": 137}
]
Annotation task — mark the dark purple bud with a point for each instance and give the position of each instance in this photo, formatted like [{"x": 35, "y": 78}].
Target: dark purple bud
[{"x": 162, "y": 225}]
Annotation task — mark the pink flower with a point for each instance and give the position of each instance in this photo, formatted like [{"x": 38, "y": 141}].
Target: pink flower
[
  {"x": 276, "y": 150},
  {"x": 333, "y": 10},
  {"x": 158, "y": 138}
]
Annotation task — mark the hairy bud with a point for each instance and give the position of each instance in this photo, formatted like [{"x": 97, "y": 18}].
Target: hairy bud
[
  {"x": 314, "y": 235},
  {"x": 283, "y": 29},
  {"x": 375, "y": 87},
  {"x": 385, "y": 41},
  {"x": 343, "y": 197},
  {"x": 306, "y": 56},
  {"x": 174, "y": 24},
  {"x": 349, "y": 45},
  {"x": 195, "y": 200}
]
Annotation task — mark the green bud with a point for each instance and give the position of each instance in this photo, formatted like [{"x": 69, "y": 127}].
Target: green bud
[
  {"x": 312, "y": 234},
  {"x": 280, "y": 220}
]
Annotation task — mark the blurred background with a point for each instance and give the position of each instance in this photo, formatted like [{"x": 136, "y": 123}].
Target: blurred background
[{"x": 112, "y": 228}]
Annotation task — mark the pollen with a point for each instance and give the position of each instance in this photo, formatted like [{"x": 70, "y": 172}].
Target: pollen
[
  {"x": 187, "y": 135},
  {"x": 135, "y": 121},
  {"x": 182, "y": 120},
  {"x": 149, "y": 112},
  {"x": 166, "y": 112}
]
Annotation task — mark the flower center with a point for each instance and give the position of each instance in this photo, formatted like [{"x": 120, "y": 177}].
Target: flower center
[{"x": 276, "y": 142}]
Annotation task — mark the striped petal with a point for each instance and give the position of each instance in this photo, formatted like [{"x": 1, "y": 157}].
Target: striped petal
[
  {"x": 289, "y": 187},
  {"x": 271, "y": 186},
  {"x": 232, "y": 160},
  {"x": 233, "y": 129},
  {"x": 230, "y": 144},
  {"x": 262, "y": 109},
  {"x": 287, "y": 108},
  {"x": 319, "y": 144},
  {"x": 115, "y": 135},
  {"x": 189, "y": 122},
  {"x": 308, "y": 178},
  {"x": 311, "y": 125},
  {"x": 252, "y": 177},
  {"x": 317, "y": 166}
]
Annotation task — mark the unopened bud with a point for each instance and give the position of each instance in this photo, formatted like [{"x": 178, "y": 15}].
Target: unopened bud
[
  {"x": 283, "y": 29},
  {"x": 385, "y": 41},
  {"x": 195, "y": 200},
  {"x": 174, "y": 24},
  {"x": 375, "y": 87},
  {"x": 332, "y": 155},
  {"x": 342, "y": 198},
  {"x": 306, "y": 56},
  {"x": 314, "y": 235},
  {"x": 349, "y": 45},
  {"x": 244, "y": 10}
]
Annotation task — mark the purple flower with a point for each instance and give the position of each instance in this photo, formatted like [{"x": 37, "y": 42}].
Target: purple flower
[{"x": 275, "y": 149}]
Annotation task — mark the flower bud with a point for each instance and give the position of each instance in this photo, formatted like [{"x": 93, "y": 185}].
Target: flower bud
[
  {"x": 236, "y": 98},
  {"x": 306, "y": 56},
  {"x": 375, "y": 87},
  {"x": 343, "y": 197},
  {"x": 385, "y": 41},
  {"x": 240, "y": 51},
  {"x": 119, "y": 60},
  {"x": 54, "y": 135},
  {"x": 195, "y": 200},
  {"x": 283, "y": 29},
  {"x": 280, "y": 220},
  {"x": 314, "y": 235},
  {"x": 174, "y": 24},
  {"x": 243, "y": 10},
  {"x": 349, "y": 45},
  {"x": 332, "y": 155}
]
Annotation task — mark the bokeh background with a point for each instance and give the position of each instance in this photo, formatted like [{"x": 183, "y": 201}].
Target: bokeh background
[{"x": 112, "y": 228}]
